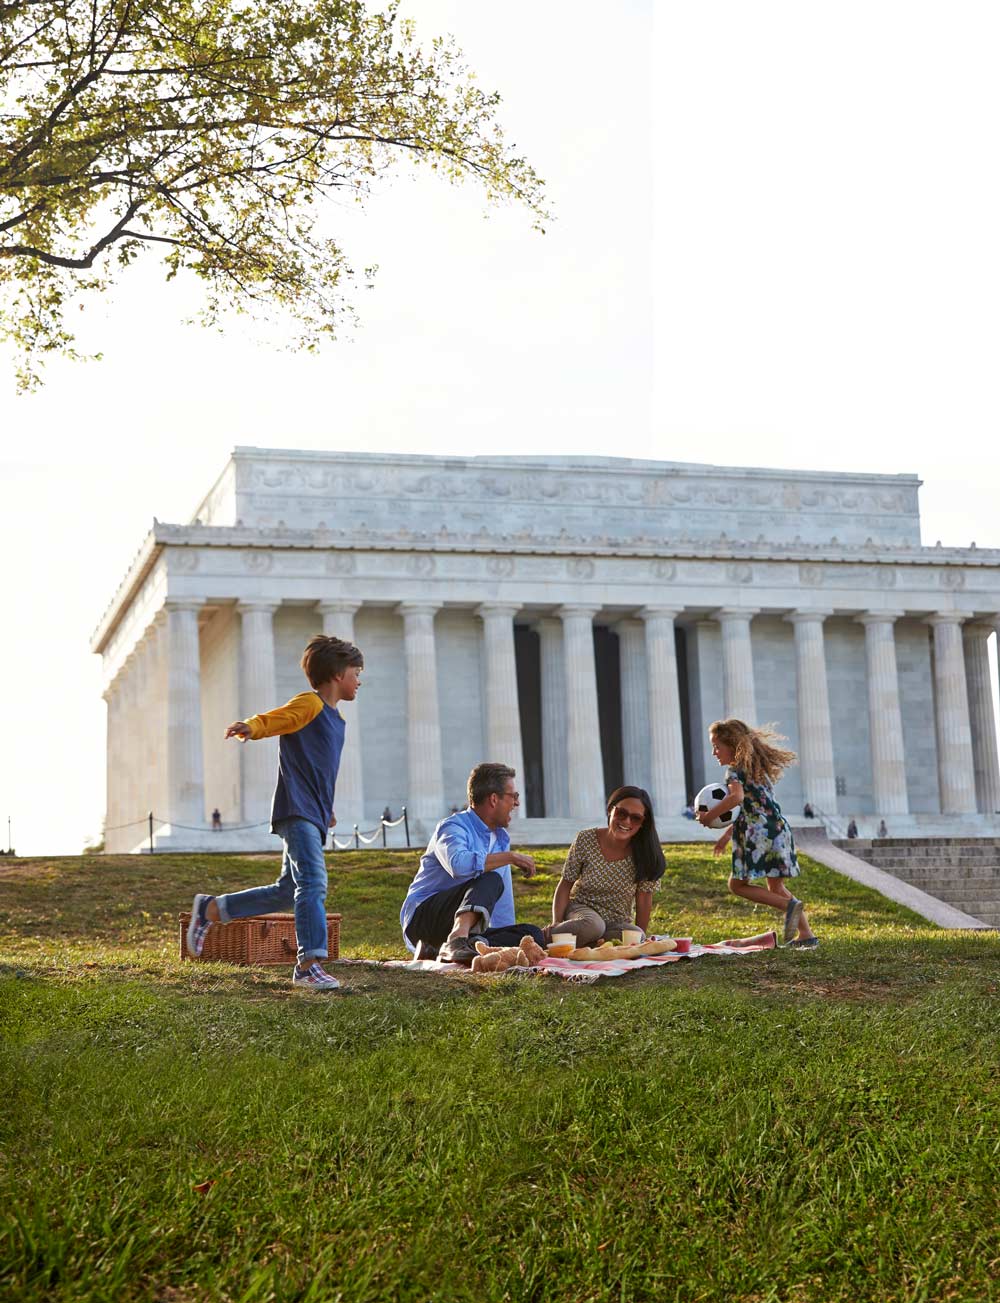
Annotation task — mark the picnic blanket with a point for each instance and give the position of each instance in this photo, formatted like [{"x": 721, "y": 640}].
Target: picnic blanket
[{"x": 574, "y": 970}]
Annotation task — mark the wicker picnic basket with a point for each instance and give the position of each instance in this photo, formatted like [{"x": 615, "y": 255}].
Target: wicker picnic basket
[{"x": 264, "y": 939}]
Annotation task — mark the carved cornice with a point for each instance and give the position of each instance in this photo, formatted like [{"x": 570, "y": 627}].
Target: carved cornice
[{"x": 504, "y": 547}]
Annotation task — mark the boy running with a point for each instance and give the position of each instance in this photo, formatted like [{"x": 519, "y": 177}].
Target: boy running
[{"x": 310, "y": 732}]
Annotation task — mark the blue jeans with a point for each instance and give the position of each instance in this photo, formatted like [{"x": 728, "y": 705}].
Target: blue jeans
[{"x": 301, "y": 885}]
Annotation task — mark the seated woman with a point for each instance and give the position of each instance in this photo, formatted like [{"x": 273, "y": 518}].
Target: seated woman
[{"x": 610, "y": 873}]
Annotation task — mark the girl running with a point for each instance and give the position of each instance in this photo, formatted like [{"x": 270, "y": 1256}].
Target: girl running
[{"x": 763, "y": 846}]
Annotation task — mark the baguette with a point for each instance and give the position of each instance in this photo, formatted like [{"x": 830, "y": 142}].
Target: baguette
[{"x": 610, "y": 951}]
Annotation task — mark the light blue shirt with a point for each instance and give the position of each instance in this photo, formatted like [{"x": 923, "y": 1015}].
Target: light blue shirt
[{"x": 457, "y": 853}]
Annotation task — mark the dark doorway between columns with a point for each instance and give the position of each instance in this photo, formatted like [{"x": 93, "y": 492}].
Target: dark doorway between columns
[
  {"x": 681, "y": 648},
  {"x": 528, "y": 658},
  {"x": 609, "y": 706}
]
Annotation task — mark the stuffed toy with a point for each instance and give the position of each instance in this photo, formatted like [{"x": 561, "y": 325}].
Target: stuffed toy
[{"x": 497, "y": 959}]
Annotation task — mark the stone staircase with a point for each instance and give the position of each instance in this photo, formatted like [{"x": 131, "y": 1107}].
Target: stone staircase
[{"x": 962, "y": 871}]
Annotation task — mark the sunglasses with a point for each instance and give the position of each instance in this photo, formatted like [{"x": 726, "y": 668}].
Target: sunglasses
[{"x": 628, "y": 816}]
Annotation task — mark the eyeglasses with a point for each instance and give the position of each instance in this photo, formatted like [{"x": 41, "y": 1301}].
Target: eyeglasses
[
  {"x": 628, "y": 816},
  {"x": 512, "y": 796}
]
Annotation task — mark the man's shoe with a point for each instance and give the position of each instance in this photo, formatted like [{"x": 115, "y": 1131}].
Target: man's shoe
[
  {"x": 805, "y": 943},
  {"x": 793, "y": 912},
  {"x": 199, "y": 924},
  {"x": 458, "y": 950},
  {"x": 314, "y": 979},
  {"x": 425, "y": 950}
]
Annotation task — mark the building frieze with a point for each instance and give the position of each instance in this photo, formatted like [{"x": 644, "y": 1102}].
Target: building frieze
[
  {"x": 503, "y": 545},
  {"x": 274, "y": 487}
]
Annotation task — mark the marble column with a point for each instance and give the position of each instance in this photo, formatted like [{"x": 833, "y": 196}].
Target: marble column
[
  {"x": 258, "y": 693},
  {"x": 584, "y": 764},
  {"x": 127, "y": 770},
  {"x": 503, "y": 716},
  {"x": 635, "y": 702},
  {"x": 146, "y": 767},
  {"x": 161, "y": 716},
  {"x": 425, "y": 790},
  {"x": 349, "y": 798},
  {"x": 185, "y": 759},
  {"x": 550, "y": 635},
  {"x": 739, "y": 696},
  {"x": 975, "y": 638},
  {"x": 885, "y": 720},
  {"x": 819, "y": 784},
  {"x": 112, "y": 800},
  {"x": 666, "y": 742},
  {"x": 956, "y": 771}
]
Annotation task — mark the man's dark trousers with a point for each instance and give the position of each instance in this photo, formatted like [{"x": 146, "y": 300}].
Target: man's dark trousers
[{"x": 434, "y": 917}]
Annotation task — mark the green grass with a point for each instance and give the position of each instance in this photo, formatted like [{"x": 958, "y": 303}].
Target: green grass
[{"x": 786, "y": 1126}]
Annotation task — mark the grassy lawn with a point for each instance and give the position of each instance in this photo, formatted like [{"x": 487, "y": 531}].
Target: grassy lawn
[{"x": 785, "y": 1126}]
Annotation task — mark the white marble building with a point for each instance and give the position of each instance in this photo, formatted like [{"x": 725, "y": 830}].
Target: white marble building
[{"x": 583, "y": 619}]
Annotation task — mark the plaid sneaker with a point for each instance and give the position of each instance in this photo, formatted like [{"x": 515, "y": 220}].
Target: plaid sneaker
[
  {"x": 793, "y": 912},
  {"x": 199, "y": 925},
  {"x": 314, "y": 979}
]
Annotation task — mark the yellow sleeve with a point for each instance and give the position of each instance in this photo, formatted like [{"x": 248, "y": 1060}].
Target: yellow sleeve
[{"x": 295, "y": 714}]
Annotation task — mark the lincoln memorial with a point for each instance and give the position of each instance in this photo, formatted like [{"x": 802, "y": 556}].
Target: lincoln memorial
[{"x": 583, "y": 619}]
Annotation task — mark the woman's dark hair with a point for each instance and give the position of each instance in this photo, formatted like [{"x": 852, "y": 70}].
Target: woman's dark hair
[{"x": 646, "y": 851}]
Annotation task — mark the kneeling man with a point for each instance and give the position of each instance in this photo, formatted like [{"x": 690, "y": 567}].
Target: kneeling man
[{"x": 462, "y": 892}]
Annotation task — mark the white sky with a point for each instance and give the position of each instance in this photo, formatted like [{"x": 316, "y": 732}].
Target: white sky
[{"x": 775, "y": 245}]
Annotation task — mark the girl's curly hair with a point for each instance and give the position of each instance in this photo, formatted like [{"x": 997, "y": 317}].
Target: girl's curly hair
[{"x": 754, "y": 749}]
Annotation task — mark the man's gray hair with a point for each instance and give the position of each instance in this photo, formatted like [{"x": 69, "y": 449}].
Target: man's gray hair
[{"x": 488, "y": 779}]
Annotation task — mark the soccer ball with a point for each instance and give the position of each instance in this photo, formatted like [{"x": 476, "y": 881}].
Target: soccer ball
[{"x": 709, "y": 796}]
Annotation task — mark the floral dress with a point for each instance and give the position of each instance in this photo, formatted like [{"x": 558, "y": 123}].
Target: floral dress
[{"x": 763, "y": 846}]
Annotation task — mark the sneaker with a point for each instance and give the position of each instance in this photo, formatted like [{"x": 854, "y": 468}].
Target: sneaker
[
  {"x": 805, "y": 943},
  {"x": 425, "y": 950},
  {"x": 199, "y": 924},
  {"x": 458, "y": 950},
  {"x": 793, "y": 912},
  {"x": 314, "y": 979}
]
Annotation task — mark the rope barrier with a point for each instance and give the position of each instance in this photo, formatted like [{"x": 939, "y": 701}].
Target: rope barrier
[
  {"x": 367, "y": 841},
  {"x": 134, "y": 824},
  {"x": 364, "y": 838}
]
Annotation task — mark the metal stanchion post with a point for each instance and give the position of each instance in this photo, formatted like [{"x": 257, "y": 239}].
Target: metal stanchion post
[
  {"x": 357, "y": 839},
  {"x": 152, "y": 848},
  {"x": 406, "y": 826}
]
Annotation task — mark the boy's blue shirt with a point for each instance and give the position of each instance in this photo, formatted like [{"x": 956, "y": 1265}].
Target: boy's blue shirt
[{"x": 310, "y": 742}]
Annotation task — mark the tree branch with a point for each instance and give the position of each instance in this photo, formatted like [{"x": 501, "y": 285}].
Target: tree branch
[{"x": 76, "y": 264}]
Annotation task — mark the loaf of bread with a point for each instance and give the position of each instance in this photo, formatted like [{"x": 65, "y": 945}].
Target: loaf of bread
[{"x": 608, "y": 950}]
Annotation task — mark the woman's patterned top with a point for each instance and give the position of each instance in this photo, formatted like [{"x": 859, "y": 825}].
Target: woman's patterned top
[{"x": 605, "y": 886}]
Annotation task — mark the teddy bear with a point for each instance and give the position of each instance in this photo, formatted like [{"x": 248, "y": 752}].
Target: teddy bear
[{"x": 497, "y": 959}]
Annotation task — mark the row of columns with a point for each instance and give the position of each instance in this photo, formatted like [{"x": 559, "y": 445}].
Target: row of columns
[{"x": 969, "y": 777}]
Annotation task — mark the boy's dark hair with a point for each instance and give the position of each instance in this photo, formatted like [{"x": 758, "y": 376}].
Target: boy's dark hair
[
  {"x": 488, "y": 779},
  {"x": 325, "y": 657}
]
